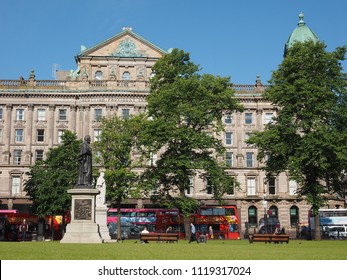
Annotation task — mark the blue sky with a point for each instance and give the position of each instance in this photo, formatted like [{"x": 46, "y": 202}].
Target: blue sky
[{"x": 234, "y": 38}]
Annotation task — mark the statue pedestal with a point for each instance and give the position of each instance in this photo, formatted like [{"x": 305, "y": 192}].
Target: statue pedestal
[
  {"x": 82, "y": 228},
  {"x": 101, "y": 220}
]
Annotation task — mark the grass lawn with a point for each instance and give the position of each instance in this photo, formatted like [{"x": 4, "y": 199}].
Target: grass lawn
[{"x": 212, "y": 250}]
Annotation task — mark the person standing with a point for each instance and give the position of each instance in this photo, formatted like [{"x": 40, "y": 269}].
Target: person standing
[
  {"x": 24, "y": 229},
  {"x": 193, "y": 233},
  {"x": 210, "y": 232}
]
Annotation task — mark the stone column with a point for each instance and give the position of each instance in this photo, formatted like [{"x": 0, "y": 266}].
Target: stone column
[
  {"x": 29, "y": 136},
  {"x": 51, "y": 126},
  {"x": 7, "y": 134},
  {"x": 86, "y": 121},
  {"x": 73, "y": 110}
]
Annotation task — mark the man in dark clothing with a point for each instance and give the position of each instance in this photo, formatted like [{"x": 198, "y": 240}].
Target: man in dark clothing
[{"x": 24, "y": 229}]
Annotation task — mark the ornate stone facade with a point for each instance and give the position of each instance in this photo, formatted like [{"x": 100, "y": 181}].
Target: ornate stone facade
[{"x": 112, "y": 78}]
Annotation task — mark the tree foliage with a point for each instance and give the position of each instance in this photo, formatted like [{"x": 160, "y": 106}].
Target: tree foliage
[
  {"x": 50, "y": 179},
  {"x": 186, "y": 110},
  {"x": 116, "y": 147},
  {"x": 308, "y": 137}
]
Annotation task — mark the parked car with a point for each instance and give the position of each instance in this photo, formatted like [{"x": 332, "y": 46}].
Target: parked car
[{"x": 337, "y": 232}]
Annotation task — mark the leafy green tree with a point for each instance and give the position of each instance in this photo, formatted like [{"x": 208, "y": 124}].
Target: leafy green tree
[
  {"x": 50, "y": 179},
  {"x": 308, "y": 137},
  {"x": 186, "y": 110},
  {"x": 117, "y": 146}
]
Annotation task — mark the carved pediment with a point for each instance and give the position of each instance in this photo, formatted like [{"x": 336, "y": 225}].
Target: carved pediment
[{"x": 125, "y": 44}]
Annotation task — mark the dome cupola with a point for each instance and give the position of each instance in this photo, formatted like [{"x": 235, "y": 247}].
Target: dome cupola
[{"x": 301, "y": 33}]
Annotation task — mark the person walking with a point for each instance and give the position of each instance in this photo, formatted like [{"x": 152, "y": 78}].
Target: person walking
[{"x": 193, "y": 234}]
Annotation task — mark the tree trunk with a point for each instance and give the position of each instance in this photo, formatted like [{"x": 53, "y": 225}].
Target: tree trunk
[
  {"x": 119, "y": 233},
  {"x": 52, "y": 226},
  {"x": 317, "y": 231},
  {"x": 187, "y": 227}
]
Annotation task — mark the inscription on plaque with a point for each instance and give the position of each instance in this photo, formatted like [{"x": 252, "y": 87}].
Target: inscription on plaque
[{"x": 83, "y": 209}]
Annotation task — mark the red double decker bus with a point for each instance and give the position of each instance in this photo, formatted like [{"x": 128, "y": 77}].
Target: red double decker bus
[
  {"x": 226, "y": 225},
  {"x": 223, "y": 220}
]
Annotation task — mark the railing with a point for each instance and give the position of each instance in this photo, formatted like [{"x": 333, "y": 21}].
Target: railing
[
  {"x": 11, "y": 83},
  {"x": 110, "y": 84}
]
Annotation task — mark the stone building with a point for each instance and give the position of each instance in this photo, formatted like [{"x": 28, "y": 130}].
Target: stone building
[{"x": 111, "y": 78}]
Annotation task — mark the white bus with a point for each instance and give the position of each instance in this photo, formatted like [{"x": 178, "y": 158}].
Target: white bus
[{"x": 333, "y": 223}]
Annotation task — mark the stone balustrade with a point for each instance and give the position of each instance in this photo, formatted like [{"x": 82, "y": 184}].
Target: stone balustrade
[{"x": 109, "y": 84}]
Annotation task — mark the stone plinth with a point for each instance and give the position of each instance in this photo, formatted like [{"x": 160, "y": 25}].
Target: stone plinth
[
  {"x": 82, "y": 228},
  {"x": 101, "y": 220}
]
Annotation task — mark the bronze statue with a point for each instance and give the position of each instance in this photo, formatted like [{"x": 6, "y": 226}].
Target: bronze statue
[{"x": 85, "y": 178}]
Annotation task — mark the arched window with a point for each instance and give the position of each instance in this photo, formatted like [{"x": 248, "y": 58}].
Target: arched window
[
  {"x": 126, "y": 76},
  {"x": 98, "y": 75},
  {"x": 252, "y": 216},
  {"x": 294, "y": 216},
  {"x": 273, "y": 212}
]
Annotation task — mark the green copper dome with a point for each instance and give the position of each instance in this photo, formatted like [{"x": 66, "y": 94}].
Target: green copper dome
[{"x": 300, "y": 34}]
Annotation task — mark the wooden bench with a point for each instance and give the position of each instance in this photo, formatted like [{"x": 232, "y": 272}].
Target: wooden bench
[
  {"x": 158, "y": 236},
  {"x": 268, "y": 238}
]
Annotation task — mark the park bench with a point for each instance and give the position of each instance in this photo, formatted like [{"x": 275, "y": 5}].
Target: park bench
[
  {"x": 158, "y": 236},
  {"x": 268, "y": 238}
]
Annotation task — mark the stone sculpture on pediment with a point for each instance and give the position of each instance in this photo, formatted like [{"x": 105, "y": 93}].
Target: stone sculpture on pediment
[{"x": 127, "y": 48}]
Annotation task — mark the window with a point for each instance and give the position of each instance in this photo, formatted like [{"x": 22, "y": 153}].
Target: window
[
  {"x": 41, "y": 114},
  {"x": 228, "y": 138},
  {"x": 38, "y": 155},
  {"x": 248, "y": 118},
  {"x": 20, "y": 115},
  {"x": 249, "y": 159},
  {"x": 97, "y": 114},
  {"x": 209, "y": 188},
  {"x": 126, "y": 76},
  {"x": 294, "y": 216},
  {"x": 1, "y": 113},
  {"x": 99, "y": 75},
  {"x": 125, "y": 113},
  {"x": 293, "y": 186},
  {"x": 15, "y": 187},
  {"x": 229, "y": 159},
  {"x": 272, "y": 186},
  {"x": 273, "y": 212},
  {"x": 189, "y": 191},
  {"x": 231, "y": 189},
  {"x": 252, "y": 216},
  {"x": 40, "y": 135},
  {"x": 17, "y": 157},
  {"x": 247, "y": 136},
  {"x": 62, "y": 115},
  {"x": 152, "y": 159},
  {"x": 97, "y": 133},
  {"x": 228, "y": 119},
  {"x": 268, "y": 118},
  {"x": 0, "y": 135},
  {"x": 250, "y": 186},
  {"x": 19, "y": 136},
  {"x": 60, "y": 134}
]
